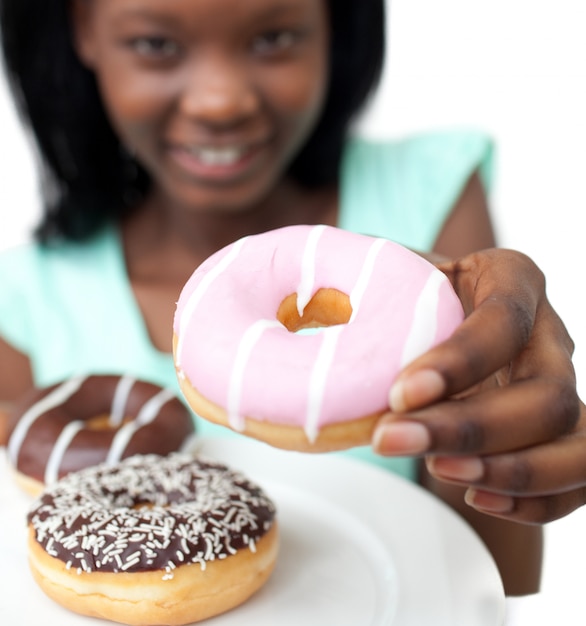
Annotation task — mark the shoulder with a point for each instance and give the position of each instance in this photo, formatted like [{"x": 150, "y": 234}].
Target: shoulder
[
  {"x": 19, "y": 262},
  {"x": 20, "y": 277},
  {"x": 39, "y": 283},
  {"x": 31, "y": 264}
]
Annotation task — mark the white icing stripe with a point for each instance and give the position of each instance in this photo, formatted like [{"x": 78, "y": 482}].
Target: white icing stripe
[
  {"x": 247, "y": 342},
  {"x": 59, "y": 395},
  {"x": 423, "y": 328},
  {"x": 118, "y": 409},
  {"x": 200, "y": 290},
  {"x": 318, "y": 379},
  {"x": 325, "y": 356},
  {"x": 306, "y": 282},
  {"x": 146, "y": 415},
  {"x": 59, "y": 449},
  {"x": 364, "y": 278},
  {"x": 153, "y": 406}
]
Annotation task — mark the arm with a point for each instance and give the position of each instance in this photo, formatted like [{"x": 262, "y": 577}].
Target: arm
[
  {"x": 15, "y": 378},
  {"x": 468, "y": 227}
]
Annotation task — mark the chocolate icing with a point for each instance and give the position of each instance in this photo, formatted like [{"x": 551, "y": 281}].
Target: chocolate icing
[
  {"x": 150, "y": 513},
  {"x": 170, "y": 427}
]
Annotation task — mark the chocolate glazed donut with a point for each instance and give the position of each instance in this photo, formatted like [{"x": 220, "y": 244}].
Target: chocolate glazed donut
[
  {"x": 153, "y": 540},
  {"x": 87, "y": 420}
]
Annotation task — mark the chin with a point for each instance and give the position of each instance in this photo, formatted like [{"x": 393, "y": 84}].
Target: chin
[{"x": 226, "y": 203}]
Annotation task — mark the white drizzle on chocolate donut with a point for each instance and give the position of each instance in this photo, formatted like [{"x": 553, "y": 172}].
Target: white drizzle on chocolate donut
[
  {"x": 150, "y": 513},
  {"x": 53, "y": 434},
  {"x": 57, "y": 396},
  {"x": 149, "y": 412}
]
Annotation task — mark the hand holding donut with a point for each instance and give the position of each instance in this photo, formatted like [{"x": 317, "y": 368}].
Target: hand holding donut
[{"x": 495, "y": 407}]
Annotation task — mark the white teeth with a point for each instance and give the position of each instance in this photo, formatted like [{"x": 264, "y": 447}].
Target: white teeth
[{"x": 218, "y": 156}]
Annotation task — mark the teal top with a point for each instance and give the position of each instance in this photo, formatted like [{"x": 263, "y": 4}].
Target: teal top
[{"x": 71, "y": 310}]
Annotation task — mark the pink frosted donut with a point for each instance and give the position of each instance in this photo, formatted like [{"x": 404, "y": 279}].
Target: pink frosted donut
[{"x": 245, "y": 358}]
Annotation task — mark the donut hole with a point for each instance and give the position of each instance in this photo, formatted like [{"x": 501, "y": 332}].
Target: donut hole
[
  {"x": 146, "y": 506},
  {"x": 328, "y": 307},
  {"x": 104, "y": 422},
  {"x": 160, "y": 500}
]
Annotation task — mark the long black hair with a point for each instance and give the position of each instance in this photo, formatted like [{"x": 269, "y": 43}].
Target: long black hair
[{"x": 87, "y": 176}]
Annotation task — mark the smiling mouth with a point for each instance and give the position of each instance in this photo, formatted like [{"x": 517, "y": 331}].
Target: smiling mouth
[
  {"x": 224, "y": 156},
  {"x": 218, "y": 164}
]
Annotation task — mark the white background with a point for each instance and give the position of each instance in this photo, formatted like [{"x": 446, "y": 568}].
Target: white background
[{"x": 516, "y": 68}]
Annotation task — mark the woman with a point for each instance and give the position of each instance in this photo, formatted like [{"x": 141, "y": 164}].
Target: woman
[{"x": 169, "y": 129}]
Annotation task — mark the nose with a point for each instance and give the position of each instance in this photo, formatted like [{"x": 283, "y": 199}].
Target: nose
[{"x": 218, "y": 92}]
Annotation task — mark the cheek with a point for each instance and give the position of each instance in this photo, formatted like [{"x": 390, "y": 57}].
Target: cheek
[
  {"x": 304, "y": 91},
  {"x": 133, "y": 106},
  {"x": 297, "y": 100},
  {"x": 298, "y": 96}
]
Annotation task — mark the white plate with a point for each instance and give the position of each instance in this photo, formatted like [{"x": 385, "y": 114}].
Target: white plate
[{"x": 359, "y": 547}]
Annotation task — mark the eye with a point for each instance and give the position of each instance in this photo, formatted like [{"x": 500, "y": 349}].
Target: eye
[
  {"x": 274, "y": 42},
  {"x": 155, "y": 47}
]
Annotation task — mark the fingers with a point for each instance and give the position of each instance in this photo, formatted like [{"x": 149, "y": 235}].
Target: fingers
[
  {"x": 488, "y": 339},
  {"x": 498, "y": 272},
  {"x": 523, "y": 414},
  {"x": 511, "y": 329},
  {"x": 535, "y": 485},
  {"x": 526, "y": 470},
  {"x": 536, "y": 510},
  {"x": 520, "y": 488},
  {"x": 540, "y": 470}
]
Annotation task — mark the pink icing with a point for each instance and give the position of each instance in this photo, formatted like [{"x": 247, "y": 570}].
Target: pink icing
[{"x": 235, "y": 352}]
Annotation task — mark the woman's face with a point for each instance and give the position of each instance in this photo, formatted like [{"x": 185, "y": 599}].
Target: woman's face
[{"x": 213, "y": 97}]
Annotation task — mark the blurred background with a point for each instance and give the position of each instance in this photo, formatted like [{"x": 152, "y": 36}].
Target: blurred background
[{"x": 514, "y": 68}]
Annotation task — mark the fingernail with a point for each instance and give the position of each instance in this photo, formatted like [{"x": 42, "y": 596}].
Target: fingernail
[
  {"x": 401, "y": 438},
  {"x": 416, "y": 390},
  {"x": 465, "y": 470},
  {"x": 489, "y": 502}
]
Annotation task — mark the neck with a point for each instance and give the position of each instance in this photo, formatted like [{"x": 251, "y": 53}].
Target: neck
[{"x": 170, "y": 240}]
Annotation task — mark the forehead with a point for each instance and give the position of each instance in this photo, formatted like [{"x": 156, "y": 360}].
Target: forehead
[{"x": 205, "y": 13}]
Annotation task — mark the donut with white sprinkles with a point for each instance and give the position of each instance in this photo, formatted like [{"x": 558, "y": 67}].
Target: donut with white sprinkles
[{"x": 153, "y": 540}]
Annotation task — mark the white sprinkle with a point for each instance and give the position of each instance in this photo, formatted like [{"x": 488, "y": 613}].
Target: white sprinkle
[{"x": 130, "y": 563}]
